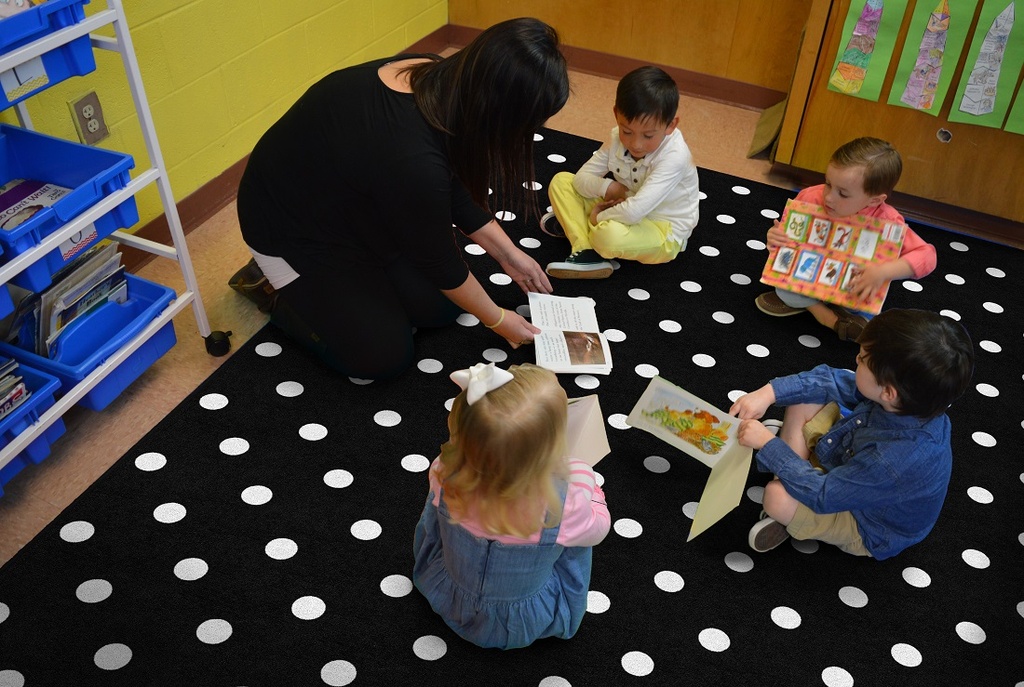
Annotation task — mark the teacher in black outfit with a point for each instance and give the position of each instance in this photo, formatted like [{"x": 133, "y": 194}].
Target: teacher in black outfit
[{"x": 348, "y": 201}]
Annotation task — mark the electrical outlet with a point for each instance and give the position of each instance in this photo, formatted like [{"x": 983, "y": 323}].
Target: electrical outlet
[{"x": 88, "y": 117}]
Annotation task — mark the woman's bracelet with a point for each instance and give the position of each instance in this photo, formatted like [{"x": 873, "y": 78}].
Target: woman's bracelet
[{"x": 498, "y": 323}]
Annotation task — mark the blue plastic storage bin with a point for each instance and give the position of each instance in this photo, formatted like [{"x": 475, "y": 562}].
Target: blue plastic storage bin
[
  {"x": 74, "y": 58},
  {"x": 90, "y": 173},
  {"x": 43, "y": 387},
  {"x": 91, "y": 339}
]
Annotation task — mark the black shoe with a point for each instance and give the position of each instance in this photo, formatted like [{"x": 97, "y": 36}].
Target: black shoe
[
  {"x": 253, "y": 284},
  {"x": 584, "y": 264},
  {"x": 550, "y": 225}
]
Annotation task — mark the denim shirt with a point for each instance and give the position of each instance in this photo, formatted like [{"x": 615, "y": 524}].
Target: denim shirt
[{"x": 890, "y": 471}]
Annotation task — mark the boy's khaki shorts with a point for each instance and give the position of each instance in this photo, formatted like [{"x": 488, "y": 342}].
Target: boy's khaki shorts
[{"x": 838, "y": 529}]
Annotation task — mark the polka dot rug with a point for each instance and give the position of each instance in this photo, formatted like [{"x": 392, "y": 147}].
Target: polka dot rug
[{"x": 261, "y": 534}]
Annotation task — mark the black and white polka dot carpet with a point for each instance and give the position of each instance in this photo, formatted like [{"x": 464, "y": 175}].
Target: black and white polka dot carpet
[{"x": 262, "y": 533}]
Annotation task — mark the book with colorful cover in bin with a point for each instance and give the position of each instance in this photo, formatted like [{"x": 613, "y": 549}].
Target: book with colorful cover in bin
[{"x": 831, "y": 252}]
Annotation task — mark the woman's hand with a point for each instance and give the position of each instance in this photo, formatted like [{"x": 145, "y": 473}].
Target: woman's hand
[
  {"x": 516, "y": 330},
  {"x": 524, "y": 271}
]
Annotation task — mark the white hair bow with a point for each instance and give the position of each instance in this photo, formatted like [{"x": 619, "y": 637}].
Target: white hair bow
[{"x": 479, "y": 379}]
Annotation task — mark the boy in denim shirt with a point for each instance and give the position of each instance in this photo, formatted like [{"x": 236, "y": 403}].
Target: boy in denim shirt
[{"x": 872, "y": 482}]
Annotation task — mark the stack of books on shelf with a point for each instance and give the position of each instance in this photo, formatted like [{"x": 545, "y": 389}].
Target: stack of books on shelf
[{"x": 90, "y": 280}]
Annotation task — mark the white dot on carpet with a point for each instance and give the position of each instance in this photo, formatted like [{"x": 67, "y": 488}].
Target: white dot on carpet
[
  {"x": 785, "y": 617},
  {"x": 191, "y": 569},
  {"x": 529, "y": 242},
  {"x": 756, "y": 494},
  {"x": 112, "y": 656},
  {"x": 669, "y": 581},
  {"x": 213, "y": 401},
  {"x": 169, "y": 513},
  {"x": 308, "y": 607},
  {"x": 741, "y": 190},
  {"x": 958, "y": 246},
  {"x": 980, "y": 494},
  {"x": 735, "y": 394},
  {"x": 951, "y": 314},
  {"x": 506, "y": 215},
  {"x": 709, "y": 251},
  {"x": 637, "y": 663},
  {"x": 148, "y": 462},
  {"x": 430, "y": 366},
  {"x": 912, "y": 286},
  {"x": 290, "y": 389},
  {"x": 532, "y": 185},
  {"x": 467, "y": 320},
  {"x": 703, "y": 360},
  {"x": 638, "y": 294},
  {"x": 804, "y": 545},
  {"x": 754, "y": 244},
  {"x": 955, "y": 279},
  {"x": 235, "y": 446},
  {"x": 853, "y": 597},
  {"x": 987, "y": 390},
  {"x": 646, "y": 371},
  {"x": 770, "y": 214},
  {"x": 690, "y": 286},
  {"x": 338, "y": 478},
  {"x": 214, "y": 631},
  {"x": 256, "y": 495},
  {"x": 670, "y": 326},
  {"x": 975, "y": 559},
  {"x": 387, "y": 418},
  {"x": 970, "y": 632},
  {"x": 94, "y": 591},
  {"x": 475, "y": 249},
  {"x": 809, "y": 341},
  {"x": 556, "y": 158},
  {"x": 363, "y": 382},
  {"x": 77, "y": 531},
  {"x": 414, "y": 462},
  {"x": 690, "y": 509},
  {"x": 738, "y": 561},
  {"x": 989, "y": 346},
  {"x": 495, "y": 355},
  {"x": 281, "y": 549},
  {"x": 597, "y": 602},
  {"x": 618, "y": 421},
  {"x": 656, "y": 464},
  {"x": 366, "y": 529},
  {"x": 713, "y": 639},
  {"x": 916, "y": 577},
  {"x": 758, "y": 351},
  {"x": 11, "y": 678},
  {"x": 722, "y": 317},
  {"x": 312, "y": 432},
  {"x": 396, "y": 586},
  {"x": 726, "y": 219},
  {"x": 984, "y": 439},
  {"x": 995, "y": 272},
  {"x": 5, "y": 611},
  {"x": 994, "y": 308},
  {"x": 834, "y": 676},
  {"x": 627, "y": 528},
  {"x": 338, "y": 673},
  {"x": 554, "y": 681},
  {"x": 429, "y": 648},
  {"x": 615, "y": 335},
  {"x": 268, "y": 349},
  {"x": 586, "y": 381},
  {"x": 500, "y": 279},
  {"x": 906, "y": 655},
  {"x": 740, "y": 279}
]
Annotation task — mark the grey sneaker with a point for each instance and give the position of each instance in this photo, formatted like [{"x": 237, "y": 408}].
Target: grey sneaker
[
  {"x": 584, "y": 264},
  {"x": 766, "y": 534},
  {"x": 550, "y": 225}
]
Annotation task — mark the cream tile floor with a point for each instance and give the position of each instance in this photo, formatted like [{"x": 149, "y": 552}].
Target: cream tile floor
[{"x": 717, "y": 134}]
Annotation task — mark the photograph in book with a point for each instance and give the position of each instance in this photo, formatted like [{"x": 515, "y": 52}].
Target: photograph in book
[
  {"x": 570, "y": 339},
  {"x": 829, "y": 253}
]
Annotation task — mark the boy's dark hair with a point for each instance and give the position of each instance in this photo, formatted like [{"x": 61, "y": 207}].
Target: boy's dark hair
[
  {"x": 926, "y": 357},
  {"x": 490, "y": 98},
  {"x": 881, "y": 162},
  {"x": 647, "y": 92}
]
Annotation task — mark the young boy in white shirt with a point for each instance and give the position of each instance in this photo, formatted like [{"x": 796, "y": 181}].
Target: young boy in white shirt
[{"x": 648, "y": 210}]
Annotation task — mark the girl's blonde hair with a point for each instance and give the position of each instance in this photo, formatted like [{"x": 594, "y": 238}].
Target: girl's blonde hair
[{"x": 504, "y": 453}]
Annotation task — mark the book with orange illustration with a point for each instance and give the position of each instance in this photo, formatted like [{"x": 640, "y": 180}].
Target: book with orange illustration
[{"x": 704, "y": 432}]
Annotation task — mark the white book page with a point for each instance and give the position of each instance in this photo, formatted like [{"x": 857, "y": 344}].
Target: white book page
[{"x": 566, "y": 314}]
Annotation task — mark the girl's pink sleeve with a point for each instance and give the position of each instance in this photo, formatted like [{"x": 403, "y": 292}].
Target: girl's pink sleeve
[
  {"x": 919, "y": 253},
  {"x": 585, "y": 516}
]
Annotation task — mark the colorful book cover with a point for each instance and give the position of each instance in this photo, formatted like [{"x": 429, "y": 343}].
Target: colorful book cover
[{"x": 830, "y": 253}]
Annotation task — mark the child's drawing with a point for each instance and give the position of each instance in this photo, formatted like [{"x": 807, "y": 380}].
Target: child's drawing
[
  {"x": 867, "y": 243},
  {"x": 807, "y": 266},
  {"x": 830, "y": 272},
  {"x": 784, "y": 260},
  {"x": 796, "y": 226},
  {"x": 819, "y": 231},
  {"x": 841, "y": 238}
]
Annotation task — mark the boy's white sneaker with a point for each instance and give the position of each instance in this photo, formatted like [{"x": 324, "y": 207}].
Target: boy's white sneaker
[
  {"x": 766, "y": 534},
  {"x": 550, "y": 225}
]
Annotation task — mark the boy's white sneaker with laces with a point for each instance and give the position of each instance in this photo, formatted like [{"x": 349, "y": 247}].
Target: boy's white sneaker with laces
[
  {"x": 766, "y": 534},
  {"x": 583, "y": 264}
]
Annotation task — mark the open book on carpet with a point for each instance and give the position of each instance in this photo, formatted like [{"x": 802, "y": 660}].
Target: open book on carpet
[{"x": 570, "y": 340}]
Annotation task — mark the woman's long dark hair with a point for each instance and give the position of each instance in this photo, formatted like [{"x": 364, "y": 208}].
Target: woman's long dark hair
[{"x": 491, "y": 97}]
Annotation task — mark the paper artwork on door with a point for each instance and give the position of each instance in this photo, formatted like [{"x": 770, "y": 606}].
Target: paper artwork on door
[
  {"x": 868, "y": 37},
  {"x": 924, "y": 80},
  {"x": 982, "y": 86}
]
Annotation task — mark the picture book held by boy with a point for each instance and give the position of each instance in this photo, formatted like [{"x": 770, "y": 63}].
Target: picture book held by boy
[
  {"x": 704, "y": 432},
  {"x": 831, "y": 252},
  {"x": 569, "y": 340}
]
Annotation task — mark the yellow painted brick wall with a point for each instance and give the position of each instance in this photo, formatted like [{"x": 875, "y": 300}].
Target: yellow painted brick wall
[{"x": 218, "y": 73}]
